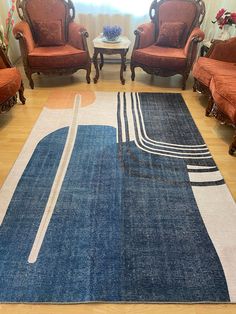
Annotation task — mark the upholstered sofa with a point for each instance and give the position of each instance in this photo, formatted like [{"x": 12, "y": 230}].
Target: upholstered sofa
[
  {"x": 10, "y": 84},
  {"x": 215, "y": 76}
]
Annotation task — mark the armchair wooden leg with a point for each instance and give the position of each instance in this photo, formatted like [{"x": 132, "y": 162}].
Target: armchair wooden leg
[
  {"x": 88, "y": 73},
  {"x": 232, "y": 147},
  {"x": 132, "y": 67},
  {"x": 185, "y": 77},
  {"x": 29, "y": 76},
  {"x": 209, "y": 106},
  {"x": 21, "y": 93},
  {"x": 195, "y": 85}
]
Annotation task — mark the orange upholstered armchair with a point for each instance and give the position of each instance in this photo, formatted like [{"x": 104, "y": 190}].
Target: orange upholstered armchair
[
  {"x": 167, "y": 45},
  {"x": 10, "y": 84},
  {"x": 50, "y": 41}
]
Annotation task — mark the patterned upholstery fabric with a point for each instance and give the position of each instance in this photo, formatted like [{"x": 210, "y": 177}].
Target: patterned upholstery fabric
[
  {"x": 57, "y": 57},
  {"x": 178, "y": 11},
  {"x": 225, "y": 51},
  {"x": 223, "y": 92},
  {"x": 165, "y": 57},
  {"x": 49, "y": 33},
  {"x": 46, "y": 11},
  {"x": 167, "y": 45},
  {"x": 50, "y": 41},
  {"x": 205, "y": 68},
  {"x": 170, "y": 34},
  {"x": 10, "y": 80}
]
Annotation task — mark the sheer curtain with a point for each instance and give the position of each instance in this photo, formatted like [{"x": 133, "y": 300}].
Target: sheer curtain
[
  {"x": 128, "y": 14},
  {"x": 14, "y": 51}
]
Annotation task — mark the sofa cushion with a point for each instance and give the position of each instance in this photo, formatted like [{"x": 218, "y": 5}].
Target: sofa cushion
[
  {"x": 223, "y": 89},
  {"x": 49, "y": 33},
  {"x": 57, "y": 57},
  {"x": 160, "y": 57},
  {"x": 10, "y": 81},
  {"x": 170, "y": 34},
  {"x": 205, "y": 68}
]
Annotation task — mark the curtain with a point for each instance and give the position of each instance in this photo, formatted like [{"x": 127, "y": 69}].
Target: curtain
[
  {"x": 135, "y": 8},
  {"x": 98, "y": 13}
]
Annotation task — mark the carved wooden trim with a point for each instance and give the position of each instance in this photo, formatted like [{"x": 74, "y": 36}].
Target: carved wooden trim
[
  {"x": 21, "y": 9},
  {"x": 192, "y": 51},
  {"x": 201, "y": 88},
  {"x": 8, "y": 104},
  {"x": 137, "y": 39},
  {"x": 232, "y": 148},
  {"x": 221, "y": 116},
  {"x": 214, "y": 110},
  {"x": 160, "y": 71},
  {"x": 200, "y": 6},
  {"x": 23, "y": 14}
]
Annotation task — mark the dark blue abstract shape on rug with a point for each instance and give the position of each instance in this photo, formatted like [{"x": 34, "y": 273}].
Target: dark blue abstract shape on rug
[{"x": 126, "y": 226}]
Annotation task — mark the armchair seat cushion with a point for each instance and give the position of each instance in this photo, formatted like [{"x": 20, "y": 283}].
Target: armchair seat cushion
[
  {"x": 223, "y": 89},
  {"x": 10, "y": 82},
  {"x": 160, "y": 57},
  {"x": 57, "y": 57},
  {"x": 205, "y": 68}
]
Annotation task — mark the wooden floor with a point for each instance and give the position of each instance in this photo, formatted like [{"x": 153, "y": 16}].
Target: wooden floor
[{"x": 16, "y": 125}]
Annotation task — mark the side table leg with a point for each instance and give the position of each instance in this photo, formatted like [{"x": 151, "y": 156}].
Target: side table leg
[
  {"x": 102, "y": 60},
  {"x": 122, "y": 66},
  {"x": 95, "y": 63}
]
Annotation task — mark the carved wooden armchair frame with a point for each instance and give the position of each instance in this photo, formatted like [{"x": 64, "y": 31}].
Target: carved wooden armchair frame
[
  {"x": 193, "y": 38},
  {"x": 28, "y": 29}
]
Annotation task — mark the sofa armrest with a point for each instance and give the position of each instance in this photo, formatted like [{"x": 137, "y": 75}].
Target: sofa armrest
[
  {"x": 22, "y": 31},
  {"x": 78, "y": 36},
  {"x": 145, "y": 35},
  {"x": 4, "y": 61},
  {"x": 195, "y": 37},
  {"x": 223, "y": 50}
]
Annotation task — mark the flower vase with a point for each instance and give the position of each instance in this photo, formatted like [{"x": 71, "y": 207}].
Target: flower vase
[{"x": 224, "y": 35}]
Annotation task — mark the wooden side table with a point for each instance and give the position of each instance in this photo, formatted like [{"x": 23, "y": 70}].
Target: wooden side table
[{"x": 101, "y": 47}]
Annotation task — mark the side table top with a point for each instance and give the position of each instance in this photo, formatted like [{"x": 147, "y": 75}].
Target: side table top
[{"x": 123, "y": 43}]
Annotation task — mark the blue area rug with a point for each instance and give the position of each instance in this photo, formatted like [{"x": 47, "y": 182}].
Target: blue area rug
[{"x": 117, "y": 201}]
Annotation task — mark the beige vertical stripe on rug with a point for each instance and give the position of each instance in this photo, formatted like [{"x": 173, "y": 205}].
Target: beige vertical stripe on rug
[{"x": 56, "y": 187}]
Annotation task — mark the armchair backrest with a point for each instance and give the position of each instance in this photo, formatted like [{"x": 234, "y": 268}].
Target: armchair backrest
[
  {"x": 189, "y": 12},
  {"x": 46, "y": 11}
]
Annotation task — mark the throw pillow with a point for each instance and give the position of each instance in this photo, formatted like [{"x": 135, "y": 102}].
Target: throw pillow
[
  {"x": 49, "y": 33},
  {"x": 170, "y": 34}
]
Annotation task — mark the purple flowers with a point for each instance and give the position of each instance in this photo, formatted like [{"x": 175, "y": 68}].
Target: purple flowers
[{"x": 111, "y": 32}]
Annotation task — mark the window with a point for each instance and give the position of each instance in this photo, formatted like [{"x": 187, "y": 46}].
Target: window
[{"x": 136, "y": 8}]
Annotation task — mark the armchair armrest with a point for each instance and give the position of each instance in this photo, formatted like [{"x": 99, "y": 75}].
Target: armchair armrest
[
  {"x": 22, "y": 31},
  {"x": 4, "y": 61},
  {"x": 77, "y": 36},
  {"x": 223, "y": 50},
  {"x": 145, "y": 35},
  {"x": 195, "y": 37}
]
